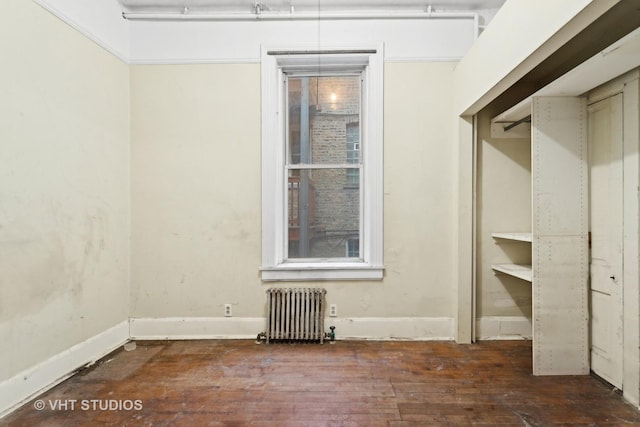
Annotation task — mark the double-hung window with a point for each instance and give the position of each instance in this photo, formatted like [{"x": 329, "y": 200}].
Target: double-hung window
[{"x": 322, "y": 164}]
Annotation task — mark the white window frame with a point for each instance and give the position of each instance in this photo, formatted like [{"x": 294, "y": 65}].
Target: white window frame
[{"x": 275, "y": 63}]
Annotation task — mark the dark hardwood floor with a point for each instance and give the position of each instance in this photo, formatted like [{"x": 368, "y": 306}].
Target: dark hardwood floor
[{"x": 349, "y": 383}]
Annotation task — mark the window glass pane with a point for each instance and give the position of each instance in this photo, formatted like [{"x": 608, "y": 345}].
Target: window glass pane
[
  {"x": 353, "y": 248},
  {"x": 324, "y": 120},
  {"x": 353, "y": 153},
  {"x": 324, "y": 213}
]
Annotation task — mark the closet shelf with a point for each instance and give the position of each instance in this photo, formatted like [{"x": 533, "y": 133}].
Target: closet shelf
[
  {"x": 520, "y": 271},
  {"x": 521, "y": 237}
]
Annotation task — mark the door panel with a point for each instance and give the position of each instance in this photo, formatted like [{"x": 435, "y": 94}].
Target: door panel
[{"x": 605, "y": 215}]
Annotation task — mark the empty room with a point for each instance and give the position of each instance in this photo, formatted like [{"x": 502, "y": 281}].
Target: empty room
[{"x": 319, "y": 212}]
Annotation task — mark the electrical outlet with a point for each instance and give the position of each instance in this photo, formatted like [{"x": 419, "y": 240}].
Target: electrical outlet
[
  {"x": 227, "y": 310},
  {"x": 333, "y": 310}
]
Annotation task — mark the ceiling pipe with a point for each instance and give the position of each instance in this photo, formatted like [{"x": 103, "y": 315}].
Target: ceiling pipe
[
  {"x": 271, "y": 16},
  {"x": 303, "y": 16},
  {"x": 476, "y": 26}
]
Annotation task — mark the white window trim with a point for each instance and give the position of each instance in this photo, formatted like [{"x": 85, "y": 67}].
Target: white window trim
[{"x": 274, "y": 210}]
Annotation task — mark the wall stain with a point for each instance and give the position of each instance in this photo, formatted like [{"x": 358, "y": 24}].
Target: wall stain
[
  {"x": 93, "y": 243},
  {"x": 47, "y": 260}
]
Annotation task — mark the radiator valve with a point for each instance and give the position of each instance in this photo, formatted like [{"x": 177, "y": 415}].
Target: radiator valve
[{"x": 332, "y": 334}]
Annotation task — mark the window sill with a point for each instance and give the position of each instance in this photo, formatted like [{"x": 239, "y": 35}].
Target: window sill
[{"x": 320, "y": 272}]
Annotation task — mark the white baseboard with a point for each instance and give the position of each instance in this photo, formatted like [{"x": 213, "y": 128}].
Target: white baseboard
[
  {"x": 192, "y": 328},
  {"x": 27, "y": 384},
  {"x": 503, "y": 328},
  {"x": 377, "y": 328},
  {"x": 393, "y": 328}
]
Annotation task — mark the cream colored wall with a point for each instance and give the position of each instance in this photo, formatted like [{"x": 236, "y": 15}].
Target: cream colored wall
[
  {"x": 195, "y": 190},
  {"x": 64, "y": 178},
  {"x": 504, "y": 205},
  {"x": 196, "y": 195},
  {"x": 419, "y": 219}
]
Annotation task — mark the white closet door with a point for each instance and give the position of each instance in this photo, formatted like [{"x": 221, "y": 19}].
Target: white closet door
[{"x": 606, "y": 219}]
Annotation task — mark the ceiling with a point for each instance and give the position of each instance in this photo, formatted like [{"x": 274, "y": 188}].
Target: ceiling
[{"x": 243, "y": 6}]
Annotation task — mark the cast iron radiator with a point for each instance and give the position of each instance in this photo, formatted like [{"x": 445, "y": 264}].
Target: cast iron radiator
[{"x": 295, "y": 314}]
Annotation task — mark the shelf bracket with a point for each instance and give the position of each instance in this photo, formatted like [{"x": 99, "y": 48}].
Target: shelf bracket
[{"x": 526, "y": 119}]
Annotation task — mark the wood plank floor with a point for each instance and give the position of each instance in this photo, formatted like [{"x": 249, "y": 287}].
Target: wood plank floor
[{"x": 349, "y": 383}]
